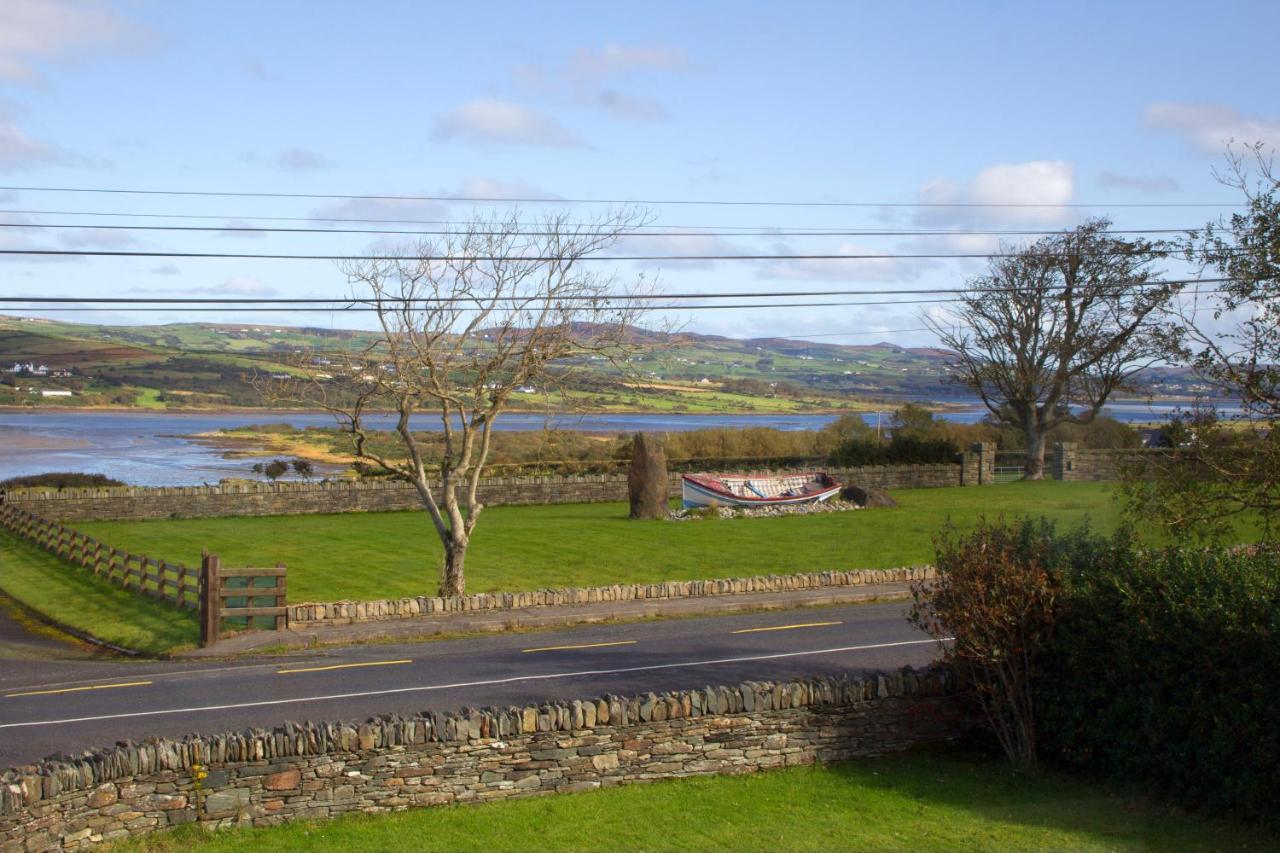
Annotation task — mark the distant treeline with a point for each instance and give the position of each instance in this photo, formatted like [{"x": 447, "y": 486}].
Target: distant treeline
[{"x": 912, "y": 436}]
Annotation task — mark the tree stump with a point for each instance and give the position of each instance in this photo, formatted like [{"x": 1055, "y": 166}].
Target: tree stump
[{"x": 647, "y": 484}]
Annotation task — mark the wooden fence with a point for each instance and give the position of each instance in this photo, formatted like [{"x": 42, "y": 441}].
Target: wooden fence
[
  {"x": 240, "y": 598},
  {"x": 176, "y": 584}
]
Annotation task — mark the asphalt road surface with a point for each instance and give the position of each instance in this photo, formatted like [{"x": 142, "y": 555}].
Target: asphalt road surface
[{"x": 68, "y": 706}]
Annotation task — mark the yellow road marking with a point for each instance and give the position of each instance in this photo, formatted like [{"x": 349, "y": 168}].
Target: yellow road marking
[
  {"x": 785, "y": 627},
  {"x": 77, "y": 689},
  {"x": 341, "y": 666},
  {"x": 583, "y": 646}
]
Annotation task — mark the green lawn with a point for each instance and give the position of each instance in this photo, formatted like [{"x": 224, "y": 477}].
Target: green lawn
[
  {"x": 73, "y": 597},
  {"x": 383, "y": 555},
  {"x": 920, "y": 801}
]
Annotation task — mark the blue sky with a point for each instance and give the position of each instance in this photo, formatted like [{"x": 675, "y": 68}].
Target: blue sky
[{"x": 1095, "y": 103}]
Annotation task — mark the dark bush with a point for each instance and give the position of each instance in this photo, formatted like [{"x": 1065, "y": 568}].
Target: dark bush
[
  {"x": 1165, "y": 667},
  {"x": 901, "y": 450},
  {"x": 60, "y": 480}
]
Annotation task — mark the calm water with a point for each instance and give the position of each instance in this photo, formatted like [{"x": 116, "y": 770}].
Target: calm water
[{"x": 148, "y": 448}]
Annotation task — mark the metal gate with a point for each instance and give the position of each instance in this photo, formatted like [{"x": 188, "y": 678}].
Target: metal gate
[{"x": 1009, "y": 467}]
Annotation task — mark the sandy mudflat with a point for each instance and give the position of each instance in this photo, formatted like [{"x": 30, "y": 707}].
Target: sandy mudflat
[{"x": 12, "y": 440}]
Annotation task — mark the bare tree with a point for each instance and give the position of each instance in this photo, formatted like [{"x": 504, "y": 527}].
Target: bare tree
[
  {"x": 1052, "y": 330},
  {"x": 465, "y": 322}
]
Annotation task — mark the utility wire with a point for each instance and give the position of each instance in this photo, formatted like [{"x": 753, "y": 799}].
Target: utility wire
[
  {"x": 685, "y": 231},
  {"x": 614, "y": 201},
  {"x": 858, "y": 256},
  {"x": 362, "y": 308},
  {"x": 605, "y": 297}
]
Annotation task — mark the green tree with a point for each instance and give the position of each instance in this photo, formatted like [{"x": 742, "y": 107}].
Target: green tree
[{"x": 1221, "y": 468}]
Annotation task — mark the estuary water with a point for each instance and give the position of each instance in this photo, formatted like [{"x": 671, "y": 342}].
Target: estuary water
[{"x": 154, "y": 448}]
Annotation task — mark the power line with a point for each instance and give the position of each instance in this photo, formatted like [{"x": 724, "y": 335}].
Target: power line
[
  {"x": 686, "y": 231},
  {"x": 858, "y": 256},
  {"x": 360, "y": 308},
  {"x": 614, "y": 201},
  {"x": 603, "y": 297}
]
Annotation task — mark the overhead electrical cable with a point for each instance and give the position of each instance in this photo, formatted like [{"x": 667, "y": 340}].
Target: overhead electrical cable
[
  {"x": 596, "y": 258},
  {"x": 614, "y": 201},
  {"x": 530, "y": 229},
  {"x": 604, "y": 297}
]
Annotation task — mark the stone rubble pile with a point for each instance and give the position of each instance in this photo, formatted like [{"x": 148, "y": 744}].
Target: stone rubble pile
[{"x": 763, "y": 511}]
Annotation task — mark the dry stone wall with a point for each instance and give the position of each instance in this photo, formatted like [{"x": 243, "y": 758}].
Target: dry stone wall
[
  {"x": 136, "y": 503},
  {"x": 321, "y": 770},
  {"x": 302, "y": 616}
]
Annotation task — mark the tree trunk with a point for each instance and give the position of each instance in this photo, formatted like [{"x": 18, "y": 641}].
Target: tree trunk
[
  {"x": 453, "y": 580},
  {"x": 1033, "y": 467}
]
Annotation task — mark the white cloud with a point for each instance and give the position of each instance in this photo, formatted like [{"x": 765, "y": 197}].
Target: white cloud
[
  {"x": 630, "y": 106},
  {"x": 237, "y": 228},
  {"x": 620, "y": 58},
  {"x": 1148, "y": 185},
  {"x": 1031, "y": 193},
  {"x": 36, "y": 31},
  {"x": 165, "y": 269},
  {"x": 18, "y": 151},
  {"x": 96, "y": 238},
  {"x": 242, "y": 285},
  {"x": 679, "y": 246},
  {"x": 503, "y": 122},
  {"x": 389, "y": 210},
  {"x": 478, "y": 187},
  {"x": 853, "y": 270},
  {"x": 1209, "y": 127},
  {"x": 295, "y": 159},
  {"x": 586, "y": 73}
]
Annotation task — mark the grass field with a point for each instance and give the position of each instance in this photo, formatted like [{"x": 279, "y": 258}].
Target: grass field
[
  {"x": 382, "y": 555},
  {"x": 75, "y": 598},
  {"x": 920, "y": 801}
]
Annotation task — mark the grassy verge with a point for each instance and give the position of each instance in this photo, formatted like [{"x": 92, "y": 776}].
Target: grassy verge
[
  {"x": 75, "y": 598},
  {"x": 381, "y": 555},
  {"x": 920, "y": 801}
]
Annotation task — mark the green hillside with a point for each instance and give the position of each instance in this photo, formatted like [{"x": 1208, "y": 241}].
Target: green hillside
[{"x": 191, "y": 365}]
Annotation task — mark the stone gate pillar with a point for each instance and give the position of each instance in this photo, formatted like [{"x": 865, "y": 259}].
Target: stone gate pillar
[
  {"x": 978, "y": 464},
  {"x": 1063, "y": 464}
]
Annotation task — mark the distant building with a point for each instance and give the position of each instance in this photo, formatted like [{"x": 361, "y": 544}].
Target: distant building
[{"x": 55, "y": 392}]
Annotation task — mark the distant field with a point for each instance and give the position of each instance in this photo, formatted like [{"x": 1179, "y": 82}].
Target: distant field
[
  {"x": 382, "y": 555},
  {"x": 920, "y": 801}
]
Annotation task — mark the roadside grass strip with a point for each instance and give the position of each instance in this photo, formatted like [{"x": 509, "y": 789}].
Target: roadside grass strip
[
  {"x": 925, "y": 800},
  {"x": 70, "y": 596}
]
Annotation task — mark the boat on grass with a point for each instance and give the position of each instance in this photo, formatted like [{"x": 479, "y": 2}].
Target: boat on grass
[{"x": 747, "y": 490}]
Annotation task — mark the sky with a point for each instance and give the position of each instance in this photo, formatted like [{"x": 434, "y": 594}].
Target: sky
[{"x": 1078, "y": 107}]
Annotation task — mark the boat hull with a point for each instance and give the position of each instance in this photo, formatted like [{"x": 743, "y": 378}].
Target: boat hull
[{"x": 698, "y": 492}]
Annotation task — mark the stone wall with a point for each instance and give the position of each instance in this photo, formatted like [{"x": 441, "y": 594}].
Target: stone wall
[
  {"x": 323, "y": 770},
  {"x": 133, "y": 503},
  {"x": 1071, "y": 463},
  {"x": 302, "y": 616}
]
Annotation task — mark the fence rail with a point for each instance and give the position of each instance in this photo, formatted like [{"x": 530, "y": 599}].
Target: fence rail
[{"x": 176, "y": 584}]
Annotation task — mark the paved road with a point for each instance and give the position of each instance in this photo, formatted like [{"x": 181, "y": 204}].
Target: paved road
[{"x": 72, "y": 705}]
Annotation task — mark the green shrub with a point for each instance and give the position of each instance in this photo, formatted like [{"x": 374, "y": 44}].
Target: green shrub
[
  {"x": 60, "y": 480},
  {"x": 901, "y": 450},
  {"x": 1165, "y": 667}
]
